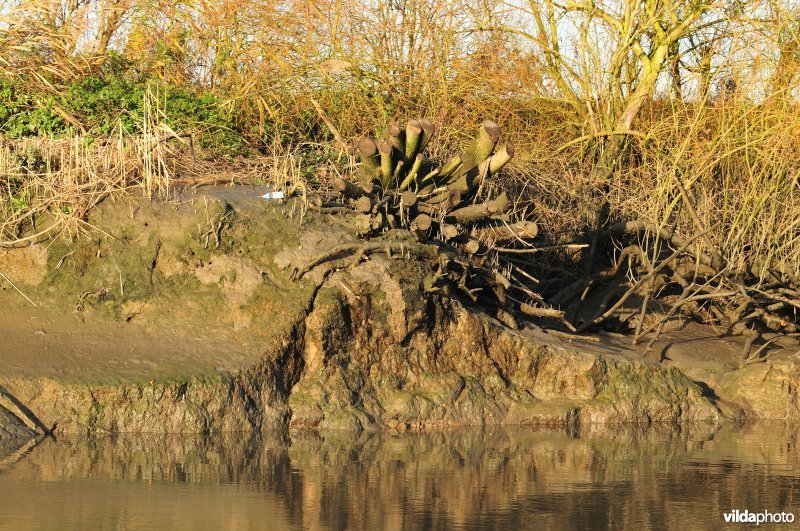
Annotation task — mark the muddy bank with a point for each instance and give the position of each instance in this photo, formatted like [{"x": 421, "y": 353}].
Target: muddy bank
[{"x": 183, "y": 317}]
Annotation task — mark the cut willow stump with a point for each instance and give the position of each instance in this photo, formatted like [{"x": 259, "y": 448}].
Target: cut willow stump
[
  {"x": 501, "y": 157},
  {"x": 347, "y": 189},
  {"x": 440, "y": 202},
  {"x": 413, "y": 140},
  {"x": 482, "y": 146},
  {"x": 428, "y": 130},
  {"x": 367, "y": 151},
  {"x": 401, "y": 189},
  {"x": 387, "y": 169},
  {"x": 423, "y": 222}
]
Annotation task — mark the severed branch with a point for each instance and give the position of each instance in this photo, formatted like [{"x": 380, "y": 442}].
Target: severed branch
[
  {"x": 367, "y": 248},
  {"x": 333, "y": 129},
  {"x": 664, "y": 263}
]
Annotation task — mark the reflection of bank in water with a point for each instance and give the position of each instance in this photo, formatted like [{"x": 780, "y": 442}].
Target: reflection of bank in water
[
  {"x": 14, "y": 433},
  {"x": 503, "y": 478}
]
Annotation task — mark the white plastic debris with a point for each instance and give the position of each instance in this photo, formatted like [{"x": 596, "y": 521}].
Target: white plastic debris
[{"x": 273, "y": 195}]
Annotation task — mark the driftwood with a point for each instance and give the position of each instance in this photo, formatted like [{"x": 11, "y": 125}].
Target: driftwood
[{"x": 541, "y": 312}]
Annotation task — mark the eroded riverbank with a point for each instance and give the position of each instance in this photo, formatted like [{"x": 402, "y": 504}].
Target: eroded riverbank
[{"x": 183, "y": 317}]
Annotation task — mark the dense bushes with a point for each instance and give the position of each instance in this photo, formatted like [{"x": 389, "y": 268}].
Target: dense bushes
[{"x": 100, "y": 106}]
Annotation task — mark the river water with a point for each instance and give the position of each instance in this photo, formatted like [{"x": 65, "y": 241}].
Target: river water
[{"x": 659, "y": 478}]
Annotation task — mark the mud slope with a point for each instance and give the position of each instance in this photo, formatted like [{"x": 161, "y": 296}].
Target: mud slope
[{"x": 183, "y": 318}]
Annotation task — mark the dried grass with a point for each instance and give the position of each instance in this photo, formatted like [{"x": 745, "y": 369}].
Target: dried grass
[{"x": 49, "y": 186}]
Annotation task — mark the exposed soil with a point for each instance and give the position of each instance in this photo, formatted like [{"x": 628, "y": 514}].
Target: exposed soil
[
  {"x": 87, "y": 347},
  {"x": 183, "y": 316}
]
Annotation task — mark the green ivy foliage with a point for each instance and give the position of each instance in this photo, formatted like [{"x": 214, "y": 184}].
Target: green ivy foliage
[{"x": 100, "y": 105}]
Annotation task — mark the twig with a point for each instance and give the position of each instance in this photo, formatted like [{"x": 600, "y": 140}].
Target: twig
[
  {"x": 334, "y": 131},
  {"x": 521, "y": 271},
  {"x": 791, "y": 302},
  {"x": 29, "y": 240},
  {"x": 644, "y": 279},
  {"x": 18, "y": 290},
  {"x": 572, "y": 337},
  {"x": 541, "y": 249},
  {"x": 365, "y": 249},
  {"x": 638, "y": 333},
  {"x": 632, "y": 227},
  {"x": 756, "y": 357},
  {"x": 684, "y": 298}
]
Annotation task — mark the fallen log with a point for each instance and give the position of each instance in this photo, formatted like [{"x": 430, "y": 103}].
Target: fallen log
[
  {"x": 364, "y": 204},
  {"x": 479, "y": 211},
  {"x": 408, "y": 199},
  {"x": 363, "y": 222},
  {"x": 472, "y": 246},
  {"x": 396, "y": 138},
  {"x": 441, "y": 201},
  {"x": 423, "y": 222},
  {"x": 448, "y": 231},
  {"x": 502, "y": 233},
  {"x": 370, "y": 159},
  {"x": 347, "y": 189}
]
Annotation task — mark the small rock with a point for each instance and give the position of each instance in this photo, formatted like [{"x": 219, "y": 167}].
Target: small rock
[{"x": 40, "y": 332}]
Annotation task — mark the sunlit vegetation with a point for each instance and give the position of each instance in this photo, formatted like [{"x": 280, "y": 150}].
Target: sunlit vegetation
[{"x": 677, "y": 117}]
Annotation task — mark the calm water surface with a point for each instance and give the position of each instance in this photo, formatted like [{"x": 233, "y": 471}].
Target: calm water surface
[{"x": 471, "y": 479}]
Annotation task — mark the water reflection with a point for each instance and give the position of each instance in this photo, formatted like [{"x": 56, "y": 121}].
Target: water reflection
[{"x": 487, "y": 479}]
